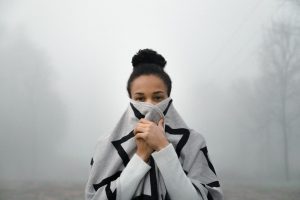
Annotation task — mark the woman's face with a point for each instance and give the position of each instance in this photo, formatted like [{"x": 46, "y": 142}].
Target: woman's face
[{"x": 149, "y": 89}]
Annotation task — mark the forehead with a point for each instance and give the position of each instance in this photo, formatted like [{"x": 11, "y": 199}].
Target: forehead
[{"x": 148, "y": 84}]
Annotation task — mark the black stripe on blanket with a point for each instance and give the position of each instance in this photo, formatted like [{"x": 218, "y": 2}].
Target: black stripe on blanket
[
  {"x": 137, "y": 112},
  {"x": 205, "y": 152},
  {"x": 179, "y": 131},
  {"x": 153, "y": 181},
  {"x": 212, "y": 184},
  {"x": 167, "y": 197},
  {"x": 122, "y": 153},
  {"x": 168, "y": 106},
  {"x": 209, "y": 197},
  {"x": 92, "y": 162},
  {"x": 110, "y": 195}
]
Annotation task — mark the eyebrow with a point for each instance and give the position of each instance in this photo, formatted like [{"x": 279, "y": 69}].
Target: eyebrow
[
  {"x": 138, "y": 93},
  {"x": 158, "y": 92}
]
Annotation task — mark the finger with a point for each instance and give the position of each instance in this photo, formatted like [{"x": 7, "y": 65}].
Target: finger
[
  {"x": 145, "y": 121},
  {"x": 141, "y": 136},
  {"x": 139, "y": 129},
  {"x": 134, "y": 131},
  {"x": 161, "y": 122},
  {"x": 139, "y": 139},
  {"x": 141, "y": 125}
]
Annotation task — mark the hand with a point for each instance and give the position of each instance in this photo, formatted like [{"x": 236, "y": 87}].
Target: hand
[
  {"x": 143, "y": 149},
  {"x": 152, "y": 134}
]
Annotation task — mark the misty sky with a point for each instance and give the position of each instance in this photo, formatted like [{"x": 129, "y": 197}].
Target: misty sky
[{"x": 87, "y": 47}]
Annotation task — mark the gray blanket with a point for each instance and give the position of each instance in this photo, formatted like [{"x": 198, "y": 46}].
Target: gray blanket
[{"x": 113, "y": 152}]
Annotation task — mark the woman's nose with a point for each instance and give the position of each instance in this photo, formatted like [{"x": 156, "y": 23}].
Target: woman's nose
[{"x": 150, "y": 101}]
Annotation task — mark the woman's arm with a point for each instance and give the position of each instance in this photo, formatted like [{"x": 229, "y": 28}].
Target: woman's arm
[
  {"x": 177, "y": 183},
  {"x": 131, "y": 177}
]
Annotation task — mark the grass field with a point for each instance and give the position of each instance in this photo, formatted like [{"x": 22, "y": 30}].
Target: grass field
[{"x": 59, "y": 191}]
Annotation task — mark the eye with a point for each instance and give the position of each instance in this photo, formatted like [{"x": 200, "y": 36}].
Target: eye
[
  {"x": 139, "y": 99},
  {"x": 158, "y": 98}
]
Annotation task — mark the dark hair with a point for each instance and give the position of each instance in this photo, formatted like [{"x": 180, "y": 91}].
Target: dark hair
[{"x": 149, "y": 62}]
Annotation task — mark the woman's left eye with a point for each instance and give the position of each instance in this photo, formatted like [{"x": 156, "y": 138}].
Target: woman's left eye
[{"x": 158, "y": 98}]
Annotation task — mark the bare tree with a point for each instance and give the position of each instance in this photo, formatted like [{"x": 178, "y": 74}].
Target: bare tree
[{"x": 279, "y": 82}]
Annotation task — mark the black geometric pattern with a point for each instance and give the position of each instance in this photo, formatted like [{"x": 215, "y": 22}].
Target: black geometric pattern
[
  {"x": 125, "y": 158},
  {"x": 205, "y": 152},
  {"x": 137, "y": 112},
  {"x": 214, "y": 184},
  {"x": 153, "y": 181},
  {"x": 168, "y": 106},
  {"x": 92, "y": 162},
  {"x": 209, "y": 197},
  {"x": 211, "y": 167},
  {"x": 118, "y": 145},
  {"x": 179, "y": 131},
  {"x": 139, "y": 115},
  {"x": 107, "y": 181}
]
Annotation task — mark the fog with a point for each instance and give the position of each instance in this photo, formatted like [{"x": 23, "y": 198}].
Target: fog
[{"x": 64, "y": 67}]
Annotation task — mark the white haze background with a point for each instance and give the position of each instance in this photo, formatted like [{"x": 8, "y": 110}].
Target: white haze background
[{"x": 64, "y": 67}]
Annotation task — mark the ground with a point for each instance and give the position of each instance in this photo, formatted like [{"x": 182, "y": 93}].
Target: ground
[{"x": 59, "y": 191}]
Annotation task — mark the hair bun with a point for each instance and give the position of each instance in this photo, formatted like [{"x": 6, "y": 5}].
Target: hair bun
[{"x": 148, "y": 56}]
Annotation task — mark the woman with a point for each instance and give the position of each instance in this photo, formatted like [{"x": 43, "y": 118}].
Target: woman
[{"x": 151, "y": 153}]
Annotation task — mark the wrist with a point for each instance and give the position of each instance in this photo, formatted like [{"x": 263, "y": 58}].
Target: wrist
[
  {"x": 163, "y": 145},
  {"x": 143, "y": 156}
]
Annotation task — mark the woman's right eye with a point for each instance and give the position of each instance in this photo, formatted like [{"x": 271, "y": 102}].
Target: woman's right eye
[{"x": 139, "y": 99}]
